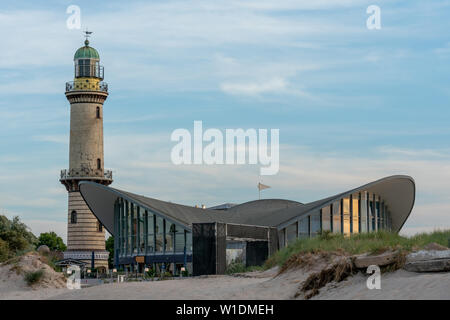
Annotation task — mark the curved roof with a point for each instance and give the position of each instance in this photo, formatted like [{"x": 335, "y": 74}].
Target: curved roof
[
  {"x": 397, "y": 191},
  {"x": 86, "y": 52}
]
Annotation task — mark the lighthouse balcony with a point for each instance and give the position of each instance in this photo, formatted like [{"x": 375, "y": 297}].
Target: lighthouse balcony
[
  {"x": 86, "y": 86},
  {"x": 86, "y": 174}
]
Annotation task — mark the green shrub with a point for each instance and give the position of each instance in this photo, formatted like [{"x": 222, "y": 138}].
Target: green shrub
[
  {"x": 15, "y": 238},
  {"x": 34, "y": 277},
  {"x": 4, "y": 250},
  {"x": 185, "y": 273},
  {"x": 239, "y": 267},
  {"x": 151, "y": 273},
  {"x": 235, "y": 267}
]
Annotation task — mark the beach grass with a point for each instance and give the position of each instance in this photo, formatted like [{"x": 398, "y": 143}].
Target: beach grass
[
  {"x": 33, "y": 277},
  {"x": 372, "y": 243}
]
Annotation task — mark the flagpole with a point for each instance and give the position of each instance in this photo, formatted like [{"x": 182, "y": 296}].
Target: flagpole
[{"x": 259, "y": 186}]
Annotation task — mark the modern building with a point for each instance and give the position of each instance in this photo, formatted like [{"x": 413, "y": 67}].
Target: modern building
[
  {"x": 151, "y": 232},
  {"x": 86, "y": 95}
]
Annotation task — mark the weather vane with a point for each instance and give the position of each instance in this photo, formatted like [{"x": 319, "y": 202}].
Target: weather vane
[{"x": 87, "y": 33}]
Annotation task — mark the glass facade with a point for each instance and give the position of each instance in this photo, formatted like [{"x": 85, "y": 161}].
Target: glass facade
[
  {"x": 359, "y": 212},
  {"x": 144, "y": 233}
]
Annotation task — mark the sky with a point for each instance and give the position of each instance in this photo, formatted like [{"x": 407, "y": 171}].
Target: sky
[{"x": 352, "y": 105}]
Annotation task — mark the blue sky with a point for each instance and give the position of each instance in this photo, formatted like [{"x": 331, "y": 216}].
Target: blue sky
[{"x": 352, "y": 104}]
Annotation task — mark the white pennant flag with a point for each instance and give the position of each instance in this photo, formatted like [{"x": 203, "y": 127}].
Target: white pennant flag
[{"x": 262, "y": 186}]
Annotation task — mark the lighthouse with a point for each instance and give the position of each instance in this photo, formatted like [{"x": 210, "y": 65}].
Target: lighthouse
[{"x": 86, "y": 94}]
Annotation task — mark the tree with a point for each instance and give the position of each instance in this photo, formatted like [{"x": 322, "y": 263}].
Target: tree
[
  {"x": 52, "y": 241},
  {"x": 15, "y": 237},
  {"x": 109, "y": 245}
]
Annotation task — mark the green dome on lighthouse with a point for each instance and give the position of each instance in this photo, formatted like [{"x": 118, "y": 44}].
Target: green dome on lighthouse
[{"x": 86, "y": 52}]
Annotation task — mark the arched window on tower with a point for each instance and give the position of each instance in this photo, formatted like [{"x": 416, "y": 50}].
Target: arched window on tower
[
  {"x": 98, "y": 112},
  {"x": 73, "y": 217},
  {"x": 99, "y": 164}
]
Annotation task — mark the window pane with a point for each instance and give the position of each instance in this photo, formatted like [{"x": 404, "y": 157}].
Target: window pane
[
  {"x": 291, "y": 233},
  {"x": 355, "y": 213},
  {"x": 189, "y": 241},
  {"x": 372, "y": 212},
  {"x": 134, "y": 229},
  {"x": 150, "y": 235},
  {"x": 281, "y": 238},
  {"x": 170, "y": 236},
  {"x": 346, "y": 216},
  {"x": 128, "y": 226},
  {"x": 179, "y": 239},
  {"x": 303, "y": 228},
  {"x": 336, "y": 217},
  {"x": 326, "y": 218},
  {"x": 159, "y": 234},
  {"x": 315, "y": 224},
  {"x": 121, "y": 226},
  {"x": 378, "y": 213},
  {"x": 141, "y": 230},
  {"x": 363, "y": 212}
]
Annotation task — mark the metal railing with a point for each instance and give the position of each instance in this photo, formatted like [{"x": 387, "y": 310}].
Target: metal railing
[
  {"x": 80, "y": 86},
  {"x": 85, "y": 173}
]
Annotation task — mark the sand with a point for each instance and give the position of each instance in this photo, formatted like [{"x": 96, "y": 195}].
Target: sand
[
  {"x": 254, "y": 285},
  {"x": 397, "y": 285},
  {"x": 13, "y": 285}
]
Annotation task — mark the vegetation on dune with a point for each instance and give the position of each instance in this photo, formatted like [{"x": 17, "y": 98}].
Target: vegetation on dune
[
  {"x": 239, "y": 267},
  {"x": 15, "y": 238},
  {"x": 372, "y": 243},
  {"x": 34, "y": 277}
]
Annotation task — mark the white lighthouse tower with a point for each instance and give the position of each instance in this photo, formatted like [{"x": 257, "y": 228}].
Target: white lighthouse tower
[{"x": 86, "y": 94}]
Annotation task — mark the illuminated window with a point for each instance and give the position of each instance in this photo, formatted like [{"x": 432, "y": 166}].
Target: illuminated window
[
  {"x": 346, "y": 216},
  {"x": 355, "y": 213}
]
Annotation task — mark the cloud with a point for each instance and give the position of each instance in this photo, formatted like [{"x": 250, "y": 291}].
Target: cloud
[
  {"x": 40, "y": 226},
  {"x": 61, "y": 139},
  {"x": 443, "y": 51},
  {"x": 276, "y": 85}
]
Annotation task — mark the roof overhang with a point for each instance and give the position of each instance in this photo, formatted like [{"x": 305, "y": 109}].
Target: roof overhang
[{"x": 398, "y": 192}]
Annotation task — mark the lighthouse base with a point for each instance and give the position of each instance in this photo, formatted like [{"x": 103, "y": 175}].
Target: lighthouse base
[{"x": 100, "y": 259}]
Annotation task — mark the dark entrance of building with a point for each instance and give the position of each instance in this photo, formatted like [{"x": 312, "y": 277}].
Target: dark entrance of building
[{"x": 210, "y": 245}]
